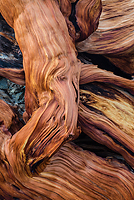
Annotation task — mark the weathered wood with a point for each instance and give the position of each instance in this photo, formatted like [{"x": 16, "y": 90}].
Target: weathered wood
[
  {"x": 51, "y": 73},
  {"x": 106, "y": 111},
  {"x": 9, "y": 118},
  {"x": 71, "y": 173},
  {"x": 29, "y": 169},
  {"x": 87, "y": 17},
  {"x": 51, "y": 76},
  {"x": 15, "y": 75},
  {"x": 106, "y": 114},
  {"x": 114, "y": 37}
]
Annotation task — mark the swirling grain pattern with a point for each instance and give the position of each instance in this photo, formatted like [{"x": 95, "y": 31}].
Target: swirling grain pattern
[
  {"x": 33, "y": 165},
  {"x": 114, "y": 37},
  {"x": 51, "y": 73}
]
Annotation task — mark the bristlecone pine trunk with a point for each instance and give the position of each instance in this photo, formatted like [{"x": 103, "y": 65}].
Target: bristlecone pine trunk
[{"x": 62, "y": 96}]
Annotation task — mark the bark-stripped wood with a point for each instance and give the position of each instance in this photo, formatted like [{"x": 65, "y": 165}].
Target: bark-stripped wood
[
  {"x": 71, "y": 173},
  {"x": 15, "y": 75},
  {"x": 114, "y": 37},
  {"x": 29, "y": 169},
  {"x": 8, "y": 118},
  {"x": 106, "y": 111},
  {"x": 87, "y": 17},
  {"x": 51, "y": 75}
]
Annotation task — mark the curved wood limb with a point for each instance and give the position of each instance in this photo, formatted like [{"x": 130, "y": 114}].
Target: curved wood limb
[
  {"x": 15, "y": 75},
  {"x": 51, "y": 78},
  {"x": 91, "y": 73}
]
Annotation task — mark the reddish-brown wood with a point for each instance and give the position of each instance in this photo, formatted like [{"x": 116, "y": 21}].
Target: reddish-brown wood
[
  {"x": 114, "y": 37},
  {"x": 51, "y": 75},
  {"x": 71, "y": 173},
  {"x": 33, "y": 164}
]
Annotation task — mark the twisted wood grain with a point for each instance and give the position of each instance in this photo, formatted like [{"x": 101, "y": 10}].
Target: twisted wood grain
[
  {"x": 29, "y": 169},
  {"x": 71, "y": 173},
  {"x": 114, "y": 37},
  {"x": 51, "y": 76}
]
